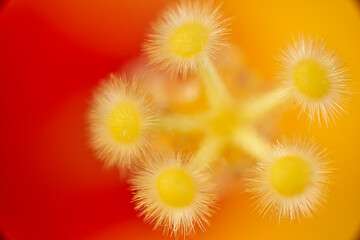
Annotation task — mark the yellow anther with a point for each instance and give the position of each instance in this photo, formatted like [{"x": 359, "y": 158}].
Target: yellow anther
[
  {"x": 311, "y": 78},
  {"x": 125, "y": 123},
  {"x": 290, "y": 175},
  {"x": 188, "y": 39},
  {"x": 175, "y": 187}
]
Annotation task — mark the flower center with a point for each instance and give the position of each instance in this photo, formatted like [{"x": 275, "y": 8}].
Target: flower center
[
  {"x": 175, "y": 187},
  {"x": 311, "y": 78},
  {"x": 124, "y": 123},
  {"x": 224, "y": 123},
  {"x": 290, "y": 175},
  {"x": 188, "y": 39}
]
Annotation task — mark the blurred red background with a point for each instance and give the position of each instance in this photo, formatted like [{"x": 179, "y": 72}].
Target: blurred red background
[
  {"x": 52, "y": 187},
  {"x": 52, "y": 55}
]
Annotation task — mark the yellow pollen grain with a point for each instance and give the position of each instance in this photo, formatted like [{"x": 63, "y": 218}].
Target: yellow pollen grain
[
  {"x": 188, "y": 39},
  {"x": 290, "y": 175},
  {"x": 175, "y": 188},
  {"x": 224, "y": 123},
  {"x": 124, "y": 123},
  {"x": 311, "y": 78}
]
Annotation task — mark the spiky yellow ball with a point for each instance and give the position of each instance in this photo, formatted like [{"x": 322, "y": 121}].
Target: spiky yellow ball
[
  {"x": 170, "y": 190},
  {"x": 291, "y": 180},
  {"x": 121, "y": 119},
  {"x": 315, "y": 78},
  {"x": 187, "y": 37}
]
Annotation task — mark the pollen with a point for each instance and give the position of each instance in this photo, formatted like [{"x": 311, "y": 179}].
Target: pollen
[
  {"x": 290, "y": 175},
  {"x": 171, "y": 191},
  {"x": 315, "y": 79},
  {"x": 311, "y": 78},
  {"x": 175, "y": 187},
  {"x": 121, "y": 120},
  {"x": 189, "y": 39},
  {"x": 125, "y": 123},
  {"x": 291, "y": 180}
]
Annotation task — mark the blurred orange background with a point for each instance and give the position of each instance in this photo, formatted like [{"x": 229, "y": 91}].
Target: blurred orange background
[{"x": 52, "y": 55}]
